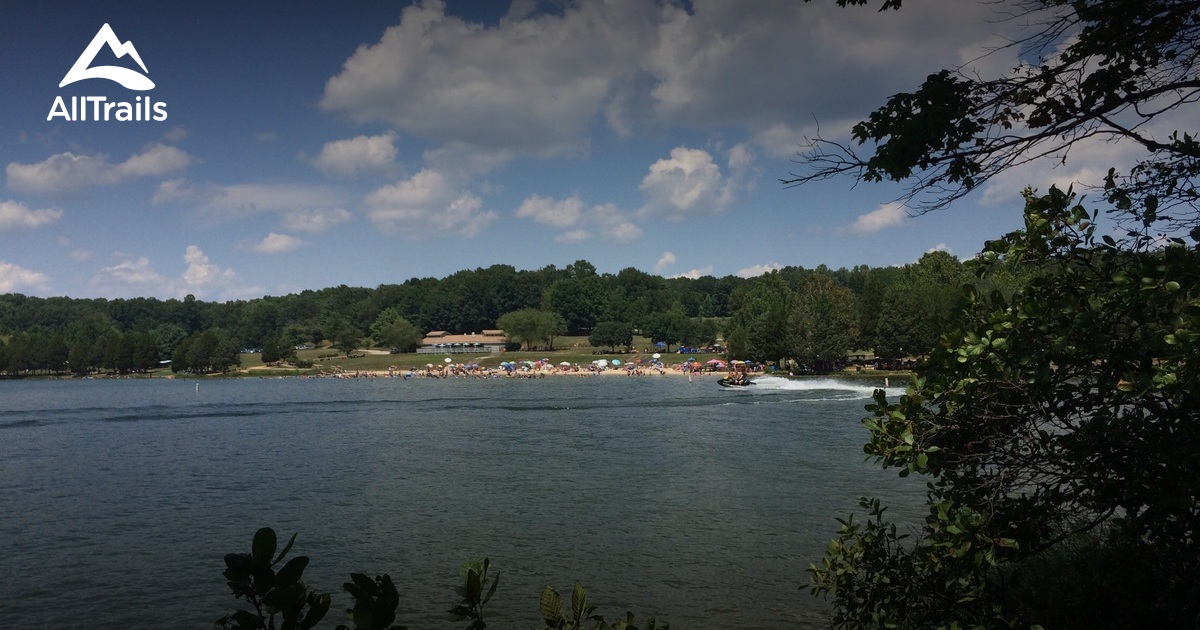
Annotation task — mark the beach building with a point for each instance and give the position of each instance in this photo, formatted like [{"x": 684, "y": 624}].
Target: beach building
[{"x": 442, "y": 342}]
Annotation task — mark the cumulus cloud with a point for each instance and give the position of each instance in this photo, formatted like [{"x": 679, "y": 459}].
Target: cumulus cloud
[
  {"x": 128, "y": 277},
  {"x": 579, "y": 222},
  {"x": 15, "y": 278},
  {"x": 427, "y": 204},
  {"x": 532, "y": 83},
  {"x": 275, "y": 243},
  {"x": 16, "y": 215},
  {"x": 888, "y": 215},
  {"x": 690, "y": 183},
  {"x": 758, "y": 270},
  {"x": 613, "y": 225},
  {"x": 693, "y": 274},
  {"x": 201, "y": 277},
  {"x": 67, "y": 174},
  {"x": 537, "y": 82},
  {"x": 358, "y": 155},
  {"x": 558, "y": 214},
  {"x": 664, "y": 262},
  {"x": 201, "y": 273},
  {"x": 940, "y": 247}
]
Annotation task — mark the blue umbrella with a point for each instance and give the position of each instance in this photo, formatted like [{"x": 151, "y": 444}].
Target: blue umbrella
[{"x": 616, "y": 362}]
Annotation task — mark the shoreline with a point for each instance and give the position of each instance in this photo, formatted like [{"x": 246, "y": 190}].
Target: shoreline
[{"x": 442, "y": 371}]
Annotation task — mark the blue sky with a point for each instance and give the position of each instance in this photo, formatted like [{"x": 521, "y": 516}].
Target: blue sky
[{"x": 311, "y": 144}]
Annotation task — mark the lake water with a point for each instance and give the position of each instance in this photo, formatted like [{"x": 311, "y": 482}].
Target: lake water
[{"x": 699, "y": 504}]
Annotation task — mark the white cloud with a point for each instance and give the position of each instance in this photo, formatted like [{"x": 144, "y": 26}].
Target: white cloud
[
  {"x": 15, "y": 215},
  {"x": 940, "y": 247},
  {"x": 558, "y": 214},
  {"x": 202, "y": 273},
  {"x": 315, "y": 220},
  {"x": 578, "y": 222},
  {"x": 131, "y": 278},
  {"x": 358, "y": 155},
  {"x": 275, "y": 243},
  {"x": 573, "y": 236},
  {"x": 537, "y": 82},
  {"x": 665, "y": 261},
  {"x": 427, "y": 204},
  {"x": 173, "y": 190},
  {"x": 67, "y": 174},
  {"x": 886, "y": 216},
  {"x": 200, "y": 277},
  {"x": 613, "y": 224},
  {"x": 690, "y": 184},
  {"x": 758, "y": 270},
  {"x": 696, "y": 273},
  {"x": 14, "y": 278},
  {"x": 532, "y": 83}
]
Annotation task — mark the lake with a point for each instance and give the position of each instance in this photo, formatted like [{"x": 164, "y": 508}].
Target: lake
[{"x": 701, "y": 505}]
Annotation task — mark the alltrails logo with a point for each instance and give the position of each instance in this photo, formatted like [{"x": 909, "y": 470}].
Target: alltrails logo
[{"x": 99, "y": 107}]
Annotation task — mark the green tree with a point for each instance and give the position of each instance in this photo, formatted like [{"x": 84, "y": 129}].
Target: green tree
[
  {"x": 669, "y": 327},
  {"x": 212, "y": 350},
  {"x": 579, "y": 299},
  {"x": 822, "y": 322},
  {"x": 612, "y": 334},
  {"x": 394, "y": 331},
  {"x": 1057, "y": 424},
  {"x": 347, "y": 338},
  {"x": 700, "y": 332},
  {"x": 1067, "y": 412},
  {"x": 530, "y": 327},
  {"x": 760, "y": 327},
  {"x": 276, "y": 349},
  {"x": 166, "y": 337}
]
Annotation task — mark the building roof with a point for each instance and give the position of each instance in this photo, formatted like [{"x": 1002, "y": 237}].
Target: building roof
[{"x": 442, "y": 337}]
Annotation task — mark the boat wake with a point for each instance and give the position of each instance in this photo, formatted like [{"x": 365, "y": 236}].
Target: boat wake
[{"x": 835, "y": 388}]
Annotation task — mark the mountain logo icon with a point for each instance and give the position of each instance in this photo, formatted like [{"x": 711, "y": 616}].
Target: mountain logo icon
[{"x": 131, "y": 79}]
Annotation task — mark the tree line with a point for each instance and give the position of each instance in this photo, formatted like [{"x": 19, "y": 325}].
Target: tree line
[{"x": 811, "y": 316}]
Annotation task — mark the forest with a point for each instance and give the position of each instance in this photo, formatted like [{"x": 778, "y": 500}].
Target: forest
[{"x": 804, "y": 317}]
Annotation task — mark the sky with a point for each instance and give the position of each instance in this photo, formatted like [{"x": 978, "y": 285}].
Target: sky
[{"x": 303, "y": 145}]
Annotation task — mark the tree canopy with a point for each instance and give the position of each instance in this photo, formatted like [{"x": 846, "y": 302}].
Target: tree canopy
[
  {"x": 1126, "y": 72},
  {"x": 1057, "y": 420}
]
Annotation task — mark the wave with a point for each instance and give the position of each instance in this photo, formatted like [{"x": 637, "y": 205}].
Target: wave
[{"x": 857, "y": 389}]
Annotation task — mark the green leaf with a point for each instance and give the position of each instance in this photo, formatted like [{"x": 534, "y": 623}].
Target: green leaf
[
  {"x": 550, "y": 605},
  {"x": 578, "y": 601},
  {"x": 474, "y": 586},
  {"x": 263, "y": 547},
  {"x": 318, "y": 607},
  {"x": 286, "y": 549},
  {"x": 492, "y": 589},
  {"x": 291, "y": 572},
  {"x": 366, "y": 584}
]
